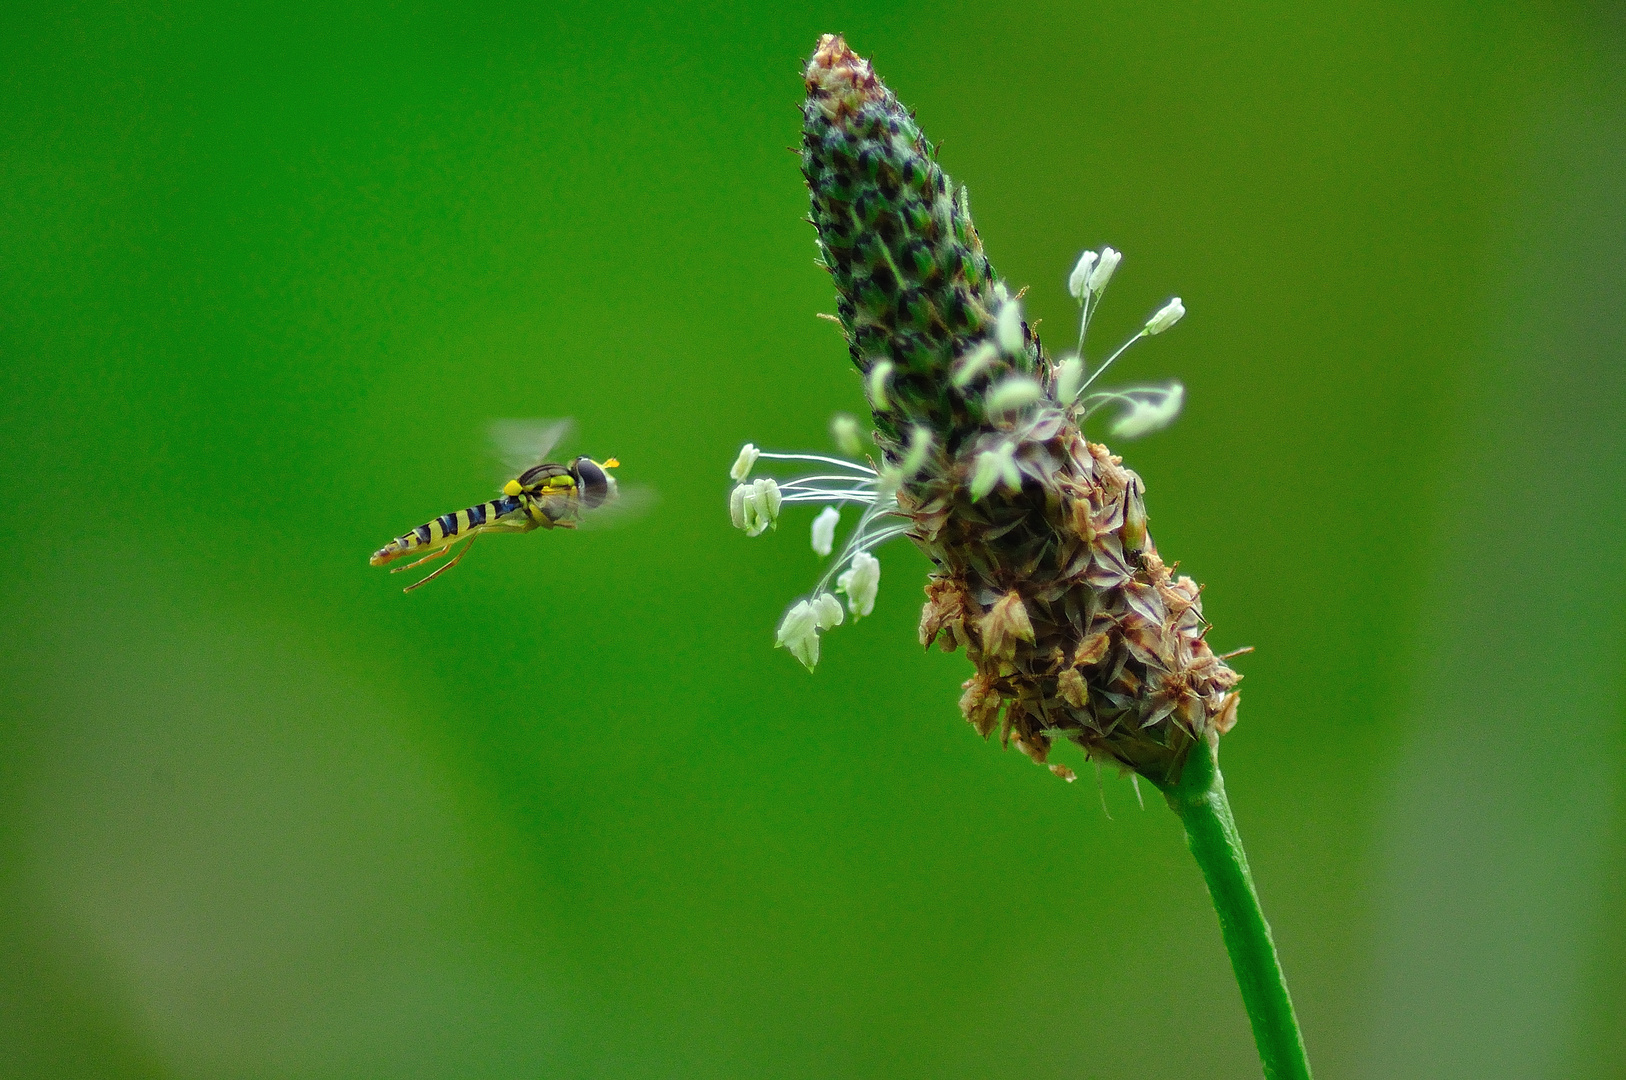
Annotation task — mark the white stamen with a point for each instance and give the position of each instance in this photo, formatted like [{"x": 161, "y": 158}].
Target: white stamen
[
  {"x": 974, "y": 363},
  {"x": 861, "y": 582},
  {"x": 824, "y": 530},
  {"x": 798, "y": 632},
  {"x": 744, "y": 463},
  {"x": 1104, "y": 269},
  {"x": 879, "y": 373},
  {"x": 1013, "y": 392},
  {"x": 827, "y": 612},
  {"x": 844, "y": 430},
  {"x": 920, "y": 444},
  {"x": 760, "y": 509},
  {"x": 768, "y": 493},
  {"x": 1079, "y": 279},
  {"x": 1008, "y": 328},
  {"x": 1167, "y": 316},
  {"x": 993, "y": 467},
  {"x": 1069, "y": 379},
  {"x": 736, "y": 505},
  {"x": 1148, "y": 415}
]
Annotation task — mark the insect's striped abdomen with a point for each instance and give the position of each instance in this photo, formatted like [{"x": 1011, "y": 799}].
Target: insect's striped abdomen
[{"x": 444, "y": 530}]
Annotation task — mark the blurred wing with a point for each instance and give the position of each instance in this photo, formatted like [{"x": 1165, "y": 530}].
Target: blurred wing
[
  {"x": 520, "y": 444},
  {"x": 629, "y": 503}
]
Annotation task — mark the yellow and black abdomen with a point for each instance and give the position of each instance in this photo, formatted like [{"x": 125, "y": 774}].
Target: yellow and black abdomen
[{"x": 506, "y": 513}]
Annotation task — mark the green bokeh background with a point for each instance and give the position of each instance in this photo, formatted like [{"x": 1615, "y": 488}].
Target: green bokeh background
[{"x": 265, "y": 277}]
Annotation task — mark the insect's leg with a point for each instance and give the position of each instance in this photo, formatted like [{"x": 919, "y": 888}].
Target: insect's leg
[
  {"x": 436, "y": 554},
  {"x": 441, "y": 570}
]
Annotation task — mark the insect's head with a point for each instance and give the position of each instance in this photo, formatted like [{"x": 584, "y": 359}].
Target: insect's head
[{"x": 596, "y": 485}]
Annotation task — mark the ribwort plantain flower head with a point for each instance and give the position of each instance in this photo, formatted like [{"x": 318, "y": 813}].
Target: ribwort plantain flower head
[{"x": 1044, "y": 570}]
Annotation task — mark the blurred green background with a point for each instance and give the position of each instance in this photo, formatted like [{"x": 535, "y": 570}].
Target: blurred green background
[{"x": 265, "y": 277}]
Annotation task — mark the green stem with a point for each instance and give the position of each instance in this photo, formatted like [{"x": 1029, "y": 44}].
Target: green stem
[{"x": 1198, "y": 797}]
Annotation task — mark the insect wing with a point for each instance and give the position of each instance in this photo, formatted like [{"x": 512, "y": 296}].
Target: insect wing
[
  {"x": 629, "y": 503},
  {"x": 522, "y": 444}
]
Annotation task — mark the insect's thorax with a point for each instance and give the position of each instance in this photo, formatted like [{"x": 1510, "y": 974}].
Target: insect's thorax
[{"x": 551, "y": 494}]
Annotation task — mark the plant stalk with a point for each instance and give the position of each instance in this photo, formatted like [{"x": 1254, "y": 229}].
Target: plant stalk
[{"x": 1198, "y": 797}]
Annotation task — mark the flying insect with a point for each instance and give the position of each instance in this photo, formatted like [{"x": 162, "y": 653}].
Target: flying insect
[{"x": 545, "y": 495}]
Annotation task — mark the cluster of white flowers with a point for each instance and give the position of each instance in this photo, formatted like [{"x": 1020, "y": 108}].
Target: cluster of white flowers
[{"x": 755, "y": 506}]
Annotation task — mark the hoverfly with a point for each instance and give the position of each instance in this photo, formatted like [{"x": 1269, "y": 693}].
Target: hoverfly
[{"x": 545, "y": 495}]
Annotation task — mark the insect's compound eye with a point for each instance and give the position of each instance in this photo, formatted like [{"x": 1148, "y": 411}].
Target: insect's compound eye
[{"x": 595, "y": 482}]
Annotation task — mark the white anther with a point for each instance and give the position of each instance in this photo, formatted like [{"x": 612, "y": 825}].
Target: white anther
[
  {"x": 824, "y": 530},
  {"x": 1008, "y": 328},
  {"x": 827, "y": 612},
  {"x": 974, "y": 363},
  {"x": 1069, "y": 379},
  {"x": 844, "y": 431},
  {"x": 993, "y": 467},
  {"x": 920, "y": 444},
  {"x": 1166, "y": 316},
  {"x": 879, "y": 374},
  {"x": 1013, "y": 392},
  {"x": 861, "y": 582},
  {"x": 1078, "y": 281},
  {"x": 745, "y": 462},
  {"x": 755, "y": 506},
  {"x": 769, "y": 499},
  {"x": 799, "y": 632},
  {"x": 1148, "y": 415},
  {"x": 1103, "y": 269}
]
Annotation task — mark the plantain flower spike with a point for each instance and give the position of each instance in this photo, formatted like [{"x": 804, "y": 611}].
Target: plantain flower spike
[{"x": 1043, "y": 567}]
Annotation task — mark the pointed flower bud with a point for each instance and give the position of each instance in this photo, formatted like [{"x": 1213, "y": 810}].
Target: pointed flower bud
[
  {"x": 1166, "y": 316},
  {"x": 745, "y": 462},
  {"x": 861, "y": 582},
  {"x": 824, "y": 530},
  {"x": 1104, "y": 269},
  {"x": 1078, "y": 281}
]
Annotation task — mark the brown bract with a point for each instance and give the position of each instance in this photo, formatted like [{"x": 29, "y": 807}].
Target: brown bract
[{"x": 1077, "y": 628}]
